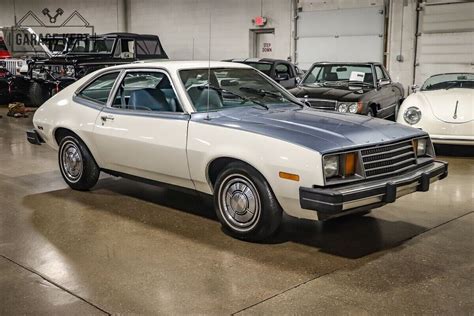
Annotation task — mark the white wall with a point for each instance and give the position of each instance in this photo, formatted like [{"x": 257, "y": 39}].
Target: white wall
[{"x": 183, "y": 25}]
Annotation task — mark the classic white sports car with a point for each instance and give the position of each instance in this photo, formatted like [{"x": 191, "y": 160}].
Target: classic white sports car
[
  {"x": 230, "y": 131},
  {"x": 444, "y": 107}
]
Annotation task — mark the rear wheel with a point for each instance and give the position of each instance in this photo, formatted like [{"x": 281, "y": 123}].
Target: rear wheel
[
  {"x": 38, "y": 94},
  {"x": 77, "y": 165},
  {"x": 245, "y": 204}
]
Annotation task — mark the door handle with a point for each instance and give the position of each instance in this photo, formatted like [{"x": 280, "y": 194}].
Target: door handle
[{"x": 107, "y": 117}]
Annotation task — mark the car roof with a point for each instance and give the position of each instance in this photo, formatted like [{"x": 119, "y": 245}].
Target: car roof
[
  {"x": 347, "y": 63},
  {"x": 173, "y": 65},
  {"x": 124, "y": 34},
  {"x": 256, "y": 60}
]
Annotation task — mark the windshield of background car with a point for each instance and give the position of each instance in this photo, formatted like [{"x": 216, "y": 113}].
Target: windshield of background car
[
  {"x": 94, "y": 46},
  {"x": 263, "y": 67},
  {"x": 448, "y": 81},
  {"x": 230, "y": 87},
  {"x": 56, "y": 45},
  {"x": 320, "y": 74}
]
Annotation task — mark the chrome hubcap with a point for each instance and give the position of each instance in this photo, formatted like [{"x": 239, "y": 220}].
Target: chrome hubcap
[
  {"x": 71, "y": 161},
  {"x": 239, "y": 202}
]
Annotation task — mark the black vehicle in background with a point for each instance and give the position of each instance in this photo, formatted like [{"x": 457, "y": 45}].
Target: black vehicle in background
[
  {"x": 85, "y": 55},
  {"x": 359, "y": 88},
  {"x": 282, "y": 71}
]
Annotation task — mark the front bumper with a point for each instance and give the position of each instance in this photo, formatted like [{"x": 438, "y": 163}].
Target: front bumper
[{"x": 366, "y": 195}]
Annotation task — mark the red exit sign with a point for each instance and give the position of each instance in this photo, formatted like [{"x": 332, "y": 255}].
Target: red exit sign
[{"x": 260, "y": 21}]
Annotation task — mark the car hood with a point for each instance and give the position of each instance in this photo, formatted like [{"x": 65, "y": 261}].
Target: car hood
[
  {"x": 342, "y": 93},
  {"x": 318, "y": 130},
  {"x": 443, "y": 104}
]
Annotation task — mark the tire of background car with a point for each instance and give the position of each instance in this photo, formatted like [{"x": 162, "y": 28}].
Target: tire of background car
[
  {"x": 245, "y": 203},
  {"x": 38, "y": 94},
  {"x": 370, "y": 112},
  {"x": 78, "y": 167}
]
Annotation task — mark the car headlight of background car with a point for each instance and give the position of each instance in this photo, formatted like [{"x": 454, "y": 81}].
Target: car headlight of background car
[
  {"x": 340, "y": 166},
  {"x": 349, "y": 107},
  {"x": 412, "y": 115}
]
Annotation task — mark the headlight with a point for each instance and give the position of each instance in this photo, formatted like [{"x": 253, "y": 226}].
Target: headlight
[
  {"x": 353, "y": 108},
  {"x": 420, "y": 145},
  {"x": 341, "y": 166},
  {"x": 331, "y": 166},
  {"x": 412, "y": 115},
  {"x": 342, "y": 108}
]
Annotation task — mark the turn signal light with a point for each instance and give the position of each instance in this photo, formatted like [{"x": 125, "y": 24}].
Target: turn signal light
[
  {"x": 289, "y": 176},
  {"x": 350, "y": 164}
]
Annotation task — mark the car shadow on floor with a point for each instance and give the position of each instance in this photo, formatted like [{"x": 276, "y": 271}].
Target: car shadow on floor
[{"x": 349, "y": 237}]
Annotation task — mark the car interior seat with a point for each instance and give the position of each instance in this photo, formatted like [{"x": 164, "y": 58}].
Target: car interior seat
[
  {"x": 199, "y": 97},
  {"x": 332, "y": 76},
  {"x": 153, "y": 99}
]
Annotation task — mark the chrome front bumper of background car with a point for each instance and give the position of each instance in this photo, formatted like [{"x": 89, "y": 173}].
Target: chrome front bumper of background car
[{"x": 366, "y": 195}]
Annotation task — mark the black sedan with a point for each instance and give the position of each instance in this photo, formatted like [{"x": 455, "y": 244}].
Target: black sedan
[{"x": 362, "y": 88}]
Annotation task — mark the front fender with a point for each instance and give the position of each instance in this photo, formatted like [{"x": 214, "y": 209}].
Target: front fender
[{"x": 268, "y": 155}]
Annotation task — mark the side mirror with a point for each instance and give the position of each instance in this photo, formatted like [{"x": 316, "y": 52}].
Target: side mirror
[
  {"x": 384, "y": 82},
  {"x": 414, "y": 88},
  {"x": 282, "y": 77}
]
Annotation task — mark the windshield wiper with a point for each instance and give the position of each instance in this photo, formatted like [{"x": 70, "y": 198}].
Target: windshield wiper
[
  {"x": 263, "y": 92},
  {"x": 235, "y": 94},
  {"x": 360, "y": 82}
]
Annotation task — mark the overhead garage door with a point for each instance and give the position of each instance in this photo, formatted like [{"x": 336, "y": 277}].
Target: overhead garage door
[
  {"x": 340, "y": 35},
  {"x": 445, "y": 39}
]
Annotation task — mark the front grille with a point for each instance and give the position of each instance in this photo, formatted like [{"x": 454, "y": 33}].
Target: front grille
[
  {"x": 388, "y": 159},
  {"x": 323, "y": 104},
  {"x": 11, "y": 65}
]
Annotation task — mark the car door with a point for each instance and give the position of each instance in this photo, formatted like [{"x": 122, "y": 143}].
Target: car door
[
  {"x": 142, "y": 131},
  {"x": 284, "y": 75},
  {"x": 388, "y": 94}
]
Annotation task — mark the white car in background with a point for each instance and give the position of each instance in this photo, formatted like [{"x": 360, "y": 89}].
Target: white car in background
[
  {"x": 228, "y": 130},
  {"x": 444, "y": 107}
]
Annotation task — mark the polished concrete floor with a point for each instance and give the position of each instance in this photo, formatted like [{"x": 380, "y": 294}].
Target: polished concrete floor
[{"x": 127, "y": 247}]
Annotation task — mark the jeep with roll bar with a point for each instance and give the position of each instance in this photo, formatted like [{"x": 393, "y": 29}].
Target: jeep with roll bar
[{"x": 47, "y": 76}]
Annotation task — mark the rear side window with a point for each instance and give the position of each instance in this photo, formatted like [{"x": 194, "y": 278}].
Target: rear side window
[{"x": 99, "y": 89}]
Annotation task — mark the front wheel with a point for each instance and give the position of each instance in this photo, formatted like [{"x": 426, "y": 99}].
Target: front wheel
[
  {"x": 38, "y": 94},
  {"x": 245, "y": 203},
  {"x": 77, "y": 165}
]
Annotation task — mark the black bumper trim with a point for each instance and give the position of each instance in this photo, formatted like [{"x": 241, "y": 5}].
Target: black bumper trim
[
  {"x": 332, "y": 200},
  {"x": 33, "y": 137}
]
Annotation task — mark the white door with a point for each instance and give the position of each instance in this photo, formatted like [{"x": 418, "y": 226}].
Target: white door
[
  {"x": 265, "y": 45},
  {"x": 446, "y": 39},
  {"x": 345, "y": 35},
  {"x": 143, "y": 131}
]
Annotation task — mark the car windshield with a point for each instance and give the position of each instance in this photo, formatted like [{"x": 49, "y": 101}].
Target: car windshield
[
  {"x": 93, "y": 45},
  {"x": 232, "y": 87},
  {"x": 328, "y": 74},
  {"x": 449, "y": 81},
  {"x": 263, "y": 67},
  {"x": 55, "y": 45}
]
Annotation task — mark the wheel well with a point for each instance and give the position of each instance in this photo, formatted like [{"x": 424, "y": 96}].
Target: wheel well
[
  {"x": 219, "y": 164},
  {"x": 61, "y": 132}
]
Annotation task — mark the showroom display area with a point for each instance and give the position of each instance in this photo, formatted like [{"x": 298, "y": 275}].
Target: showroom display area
[{"x": 251, "y": 157}]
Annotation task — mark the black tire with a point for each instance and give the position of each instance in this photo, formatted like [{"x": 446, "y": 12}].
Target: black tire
[
  {"x": 78, "y": 167},
  {"x": 267, "y": 215},
  {"x": 371, "y": 112},
  {"x": 38, "y": 94}
]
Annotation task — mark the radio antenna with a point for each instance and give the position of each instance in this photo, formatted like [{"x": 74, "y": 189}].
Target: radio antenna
[{"x": 209, "y": 66}]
